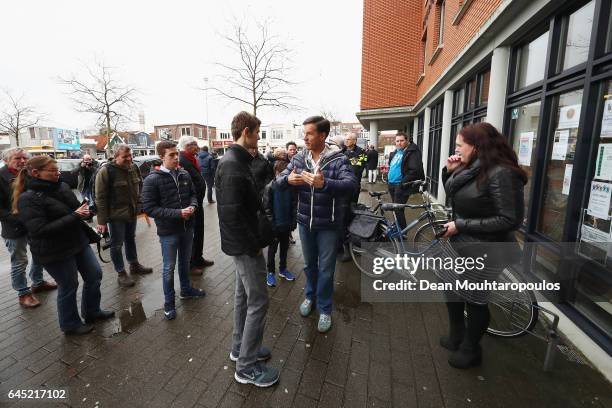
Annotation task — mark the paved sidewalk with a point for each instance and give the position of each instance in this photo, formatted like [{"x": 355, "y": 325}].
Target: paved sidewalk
[{"x": 376, "y": 355}]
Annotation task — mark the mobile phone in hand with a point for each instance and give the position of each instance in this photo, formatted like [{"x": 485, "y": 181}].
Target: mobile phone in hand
[{"x": 85, "y": 201}]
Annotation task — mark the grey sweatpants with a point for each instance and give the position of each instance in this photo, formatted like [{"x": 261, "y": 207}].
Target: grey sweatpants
[{"x": 250, "y": 308}]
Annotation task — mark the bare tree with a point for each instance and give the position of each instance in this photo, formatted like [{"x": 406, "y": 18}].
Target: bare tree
[
  {"x": 330, "y": 115},
  {"x": 260, "y": 76},
  {"x": 101, "y": 94},
  {"x": 17, "y": 116}
]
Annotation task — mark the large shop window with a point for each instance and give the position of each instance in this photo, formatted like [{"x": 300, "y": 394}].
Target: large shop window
[
  {"x": 523, "y": 130},
  {"x": 433, "y": 156},
  {"x": 531, "y": 59},
  {"x": 577, "y": 36},
  {"x": 560, "y": 163},
  {"x": 469, "y": 104}
]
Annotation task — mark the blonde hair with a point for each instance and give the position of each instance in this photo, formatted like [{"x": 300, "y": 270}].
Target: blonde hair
[{"x": 35, "y": 163}]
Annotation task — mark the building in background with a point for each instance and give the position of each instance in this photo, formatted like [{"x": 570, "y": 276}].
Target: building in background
[
  {"x": 61, "y": 143},
  {"x": 538, "y": 70},
  {"x": 174, "y": 132}
]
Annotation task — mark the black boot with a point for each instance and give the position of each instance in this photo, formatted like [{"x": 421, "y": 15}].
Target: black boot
[
  {"x": 456, "y": 322},
  {"x": 468, "y": 355},
  {"x": 346, "y": 254}
]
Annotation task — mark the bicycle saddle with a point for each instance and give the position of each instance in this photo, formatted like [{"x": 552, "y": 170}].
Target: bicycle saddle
[{"x": 377, "y": 193}]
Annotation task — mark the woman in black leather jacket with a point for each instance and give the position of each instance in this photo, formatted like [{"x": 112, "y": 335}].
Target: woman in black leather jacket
[
  {"x": 485, "y": 187},
  {"x": 58, "y": 240}
]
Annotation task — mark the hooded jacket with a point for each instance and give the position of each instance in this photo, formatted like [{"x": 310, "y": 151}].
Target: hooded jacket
[
  {"x": 322, "y": 208},
  {"x": 117, "y": 195}
]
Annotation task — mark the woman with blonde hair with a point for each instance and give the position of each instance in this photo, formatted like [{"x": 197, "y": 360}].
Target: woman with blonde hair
[{"x": 59, "y": 240}]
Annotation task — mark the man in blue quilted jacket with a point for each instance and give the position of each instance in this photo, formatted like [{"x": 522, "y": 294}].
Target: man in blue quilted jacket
[{"x": 324, "y": 181}]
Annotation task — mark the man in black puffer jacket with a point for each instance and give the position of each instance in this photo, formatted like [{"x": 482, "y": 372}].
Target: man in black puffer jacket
[
  {"x": 237, "y": 205},
  {"x": 325, "y": 183},
  {"x": 169, "y": 197},
  {"x": 189, "y": 162}
]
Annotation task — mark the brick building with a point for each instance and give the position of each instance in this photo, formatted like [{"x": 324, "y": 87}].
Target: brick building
[
  {"x": 174, "y": 132},
  {"x": 541, "y": 72}
]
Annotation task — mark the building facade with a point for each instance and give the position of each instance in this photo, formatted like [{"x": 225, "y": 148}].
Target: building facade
[
  {"x": 541, "y": 72},
  {"x": 174, "y": 132}
]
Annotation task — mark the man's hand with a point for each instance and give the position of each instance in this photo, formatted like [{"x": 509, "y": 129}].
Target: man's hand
[
  {"x": 295, "y": 179},
  {"x": 315, "y": 180},
  {"x": 102, "y": 228},
  {"x": 82, "y": 211},
  {"x": 187, "y": 212}
]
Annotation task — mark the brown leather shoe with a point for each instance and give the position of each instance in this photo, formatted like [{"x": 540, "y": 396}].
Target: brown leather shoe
[
  {"x": 139, "y": 269},
  {"x": 44, "y": 287},
  {"x": 198, "y": 271},
  {"x": 28, "y": 301}
]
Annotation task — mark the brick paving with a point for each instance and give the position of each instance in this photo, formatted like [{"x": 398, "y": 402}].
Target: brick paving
[{"x": 376, "y": 355}]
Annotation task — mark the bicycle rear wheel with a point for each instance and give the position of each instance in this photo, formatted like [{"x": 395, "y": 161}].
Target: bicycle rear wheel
[
  {"x": 512, "y": 313},
  {"x": 381, "y": 247}
]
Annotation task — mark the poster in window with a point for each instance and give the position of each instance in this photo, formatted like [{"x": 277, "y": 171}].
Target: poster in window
[
  {"x": 567, "y": 179},
  {"x": 595, "y": 240},
  {"x": 525, "y": 148},
  {"x": 606, "y": 120},
  {"x": 603, "y": 169},
  {"x": 560, "y": 144},
  {"x": 599, "y": 201},
  {"x": 569, "y": 116}
]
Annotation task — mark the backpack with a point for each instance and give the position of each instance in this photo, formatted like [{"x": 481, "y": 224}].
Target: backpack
[{"x": 92, "y": 182}]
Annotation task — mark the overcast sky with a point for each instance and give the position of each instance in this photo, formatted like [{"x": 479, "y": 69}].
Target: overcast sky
[{"x": 165, "y": 48}]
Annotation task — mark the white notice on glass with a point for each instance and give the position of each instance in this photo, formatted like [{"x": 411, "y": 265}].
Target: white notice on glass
[
  {"x": 569, "y": 116},
  {"x": 560, "y": 144},
  {"x": 603, "y": 169},
  {"x": 567, "y": 179},
  {"x": 606, "y": 120},
  {"x": 525, "y": 147},
  {"x": 599, "y": 202}
]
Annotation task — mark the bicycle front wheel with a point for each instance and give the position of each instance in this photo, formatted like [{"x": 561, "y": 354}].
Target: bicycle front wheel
[
  {"x": 382, "y": 247},
  {"x": 513, "y": 313},
  {"x": 426, "y": 234}
]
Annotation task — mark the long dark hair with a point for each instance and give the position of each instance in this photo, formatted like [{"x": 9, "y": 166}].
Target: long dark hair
[
  {"x": 38, "y": 163},
  {"x": 492, "y": 149}
]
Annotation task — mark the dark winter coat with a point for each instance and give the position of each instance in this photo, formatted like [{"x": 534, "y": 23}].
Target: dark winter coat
[
  {"x": 196, "y": 177},
  {"x": 372, "y": 156},
  {"x": 280, "y": 206},
  {"x": 357, "y": 158},
  {"x": 117, "y": 192},
  {"x": 237, "y": 203},
  {"x": 263, "y": 172},
  {"x": 322, "y": 208},
  {"x": 84, "y": 175},
  {"x": 55, "y": 232},
  {"x": 490, "y": 212},
  {"x": 205, "y": 160},
  {"x": 412, "y": 165},
  {"x": 12, "y": 228},
  {"x": 163, "y": 198}
]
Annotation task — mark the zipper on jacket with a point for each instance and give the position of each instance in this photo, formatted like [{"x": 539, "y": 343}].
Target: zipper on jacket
[
  {"x": 311, "y": 206},
  {"x": 333, "y": 208}
]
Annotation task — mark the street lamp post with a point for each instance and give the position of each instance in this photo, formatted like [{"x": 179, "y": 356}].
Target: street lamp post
[{"x": 206, "y": 101}]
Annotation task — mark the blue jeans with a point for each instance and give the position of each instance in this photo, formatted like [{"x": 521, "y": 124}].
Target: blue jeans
[
  {"x": 65, "y": 273},
  {"x": 120, "y": 233},
  {"x": 171, "y": 246},
  {"x": 18, "y": 249},
  {"x": 319, "y": 248}
]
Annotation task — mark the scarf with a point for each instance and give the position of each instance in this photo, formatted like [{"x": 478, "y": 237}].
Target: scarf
[
  {"x": 460, "y": 178},
  {"x": 192, "y": 158}
]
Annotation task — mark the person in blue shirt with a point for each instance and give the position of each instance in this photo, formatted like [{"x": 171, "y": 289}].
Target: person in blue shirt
[{"x": 405, "y": 165}]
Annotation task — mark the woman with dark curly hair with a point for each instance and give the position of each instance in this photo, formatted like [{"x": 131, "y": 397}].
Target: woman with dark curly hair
[{"x": 485, "y": 187}]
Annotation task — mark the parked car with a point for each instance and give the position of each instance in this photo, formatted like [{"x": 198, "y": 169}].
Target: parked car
[
  {"x": 146, "y": 163},
  {"x": 66, "y": 166}
]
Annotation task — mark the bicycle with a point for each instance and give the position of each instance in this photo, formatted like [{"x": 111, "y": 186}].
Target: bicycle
[{"x": 513, "y": 314}]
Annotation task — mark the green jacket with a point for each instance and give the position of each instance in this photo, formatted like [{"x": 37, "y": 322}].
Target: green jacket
[{"x": 121, "y": 200}]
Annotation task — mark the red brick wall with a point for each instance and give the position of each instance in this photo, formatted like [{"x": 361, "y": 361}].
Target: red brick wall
[{"x": 392, "y": 54}]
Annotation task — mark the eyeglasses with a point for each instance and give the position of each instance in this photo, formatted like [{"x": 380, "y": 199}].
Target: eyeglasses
[{"x": 52, "y": 170}]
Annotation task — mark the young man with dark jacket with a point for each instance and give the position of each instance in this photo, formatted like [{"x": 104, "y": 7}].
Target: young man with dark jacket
[
  {"x": 405, "y": 165},
  {"x": 118, "y": 187},
  {"x": 188, "y": 146},
  {"x": 238, "y": 205},
  {"x": 324, "y": 181},
  {"x": 262, "y": 169},
  {"x": 14, "y": 234},
  {"x": 169, "y": 197}
]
